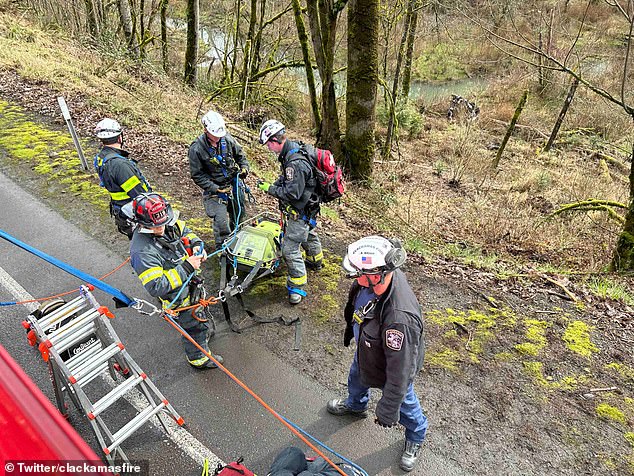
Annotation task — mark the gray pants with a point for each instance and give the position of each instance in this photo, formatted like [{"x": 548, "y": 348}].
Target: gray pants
[
  {"x": 224, "y": 214},
  {"x": 199, "y": 331},
  {"x": 297, "y": 235}
]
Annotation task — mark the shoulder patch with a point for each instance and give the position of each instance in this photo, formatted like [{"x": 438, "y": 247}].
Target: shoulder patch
[
  {"x": 394, "y": 339},
  {"x": 290, "y": 173}
]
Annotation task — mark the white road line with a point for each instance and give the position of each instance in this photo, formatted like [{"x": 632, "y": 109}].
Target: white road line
[{"x": 179, "y": 435}]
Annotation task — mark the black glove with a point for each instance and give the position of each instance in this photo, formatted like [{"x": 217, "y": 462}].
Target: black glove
[
  {"x": 384, "y": 425},
  {"x": 348, "y": 335}
]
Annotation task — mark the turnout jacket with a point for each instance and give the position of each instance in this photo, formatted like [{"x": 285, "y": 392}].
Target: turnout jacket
[
  {"x": 210, "y": 169},
  {"x": 160, "y": 261},
  {"x": 296, "y": 186},
  {"x": 391, "y": 349},
  {"x": 120, "y": 175}
]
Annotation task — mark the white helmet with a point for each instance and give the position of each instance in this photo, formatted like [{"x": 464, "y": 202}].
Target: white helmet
[
  {"x": 214, "y": 124},
  {"x": 269, "y": 129},
  {"x": 373, "y": 255},
  {"x": 107, "y": 129}
]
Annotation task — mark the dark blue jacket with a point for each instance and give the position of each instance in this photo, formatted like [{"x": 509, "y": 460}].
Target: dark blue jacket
[{"x": 391, "y": 348}]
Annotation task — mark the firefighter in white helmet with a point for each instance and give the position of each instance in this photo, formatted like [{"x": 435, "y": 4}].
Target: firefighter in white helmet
[
  {"x": 384, "y": 317},
  {"x": 296, "y": 192},
  {"x": 118, "y": 173},
  {"x": 217, "y": 165}
]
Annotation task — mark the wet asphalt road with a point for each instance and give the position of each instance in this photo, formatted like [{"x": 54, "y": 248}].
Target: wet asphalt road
[{"x": 218, "y": 413}]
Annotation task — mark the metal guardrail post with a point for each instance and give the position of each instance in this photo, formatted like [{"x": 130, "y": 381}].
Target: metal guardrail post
[{"x": 71, "y": 128}]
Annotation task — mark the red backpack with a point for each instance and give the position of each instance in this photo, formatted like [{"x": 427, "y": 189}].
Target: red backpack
[
  {"x": 330, "y": 181},
  {"x": 236, "y": 468}
]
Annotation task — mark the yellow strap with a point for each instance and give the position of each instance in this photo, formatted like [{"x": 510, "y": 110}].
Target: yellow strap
[{"x": 206, "y": 468}]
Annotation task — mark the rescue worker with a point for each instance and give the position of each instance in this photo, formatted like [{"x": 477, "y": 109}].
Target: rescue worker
[
  {"x": 296, "y": 191},
  {"x": 291, "y": 461},
  {"x": 384, "y": 317},
  {"x": 118, "y": 173},
  {"x": 159, "y": 256},
  {"x": 216, "y": 161}
]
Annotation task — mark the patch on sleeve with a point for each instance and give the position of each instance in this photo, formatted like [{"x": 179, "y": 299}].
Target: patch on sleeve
[
  {"x": 290, "y": 173},
  {"x": 394, "y": 339}
]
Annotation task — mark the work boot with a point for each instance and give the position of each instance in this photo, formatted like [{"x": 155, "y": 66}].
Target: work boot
[
  {"x": 294, "y": 298},
  {"x": 205, "y": 362},
  {"x": 340, "y": 407},
  {"x": 314, "y": 265},
  {"x": 410, "y": 455}
]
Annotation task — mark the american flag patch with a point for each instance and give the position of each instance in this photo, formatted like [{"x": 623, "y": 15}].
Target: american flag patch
[{"x": 366, "y": 259}]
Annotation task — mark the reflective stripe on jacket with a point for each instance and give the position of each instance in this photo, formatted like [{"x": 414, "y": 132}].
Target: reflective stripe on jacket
[{"x": 120, "y": 175}]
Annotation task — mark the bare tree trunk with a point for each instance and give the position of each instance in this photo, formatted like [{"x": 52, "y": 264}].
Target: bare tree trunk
[
  {"x": 623, "y": 258},
  {"x": 562, "y": 114},
  {"x": 509, "y": 131},
  {"x": 308, "y": 67},
  {"x": 407, "y": 67},
  {"x": 323, "y": 26},
  {"x": 387, "y": 147},
  {"x": 191, "y": 51},
  {"x": 164, "y": 51},
  {"x": 91, "y": 18},
  {"x": 142, "y": 30},
  {"x": 247, "y": 54},
  {"x": 255, "y": 50},
  {"x": 125, "y": 16},
  {"x": 236, "y": 37},
  {"x": 540, "y": 63},
  {"x": 362, "y": 76}
]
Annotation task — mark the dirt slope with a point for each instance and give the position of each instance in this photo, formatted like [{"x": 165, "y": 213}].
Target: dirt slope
[{"x": 516, "y": 368}]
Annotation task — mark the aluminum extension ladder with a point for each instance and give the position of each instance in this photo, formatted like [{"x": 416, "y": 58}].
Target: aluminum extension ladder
[{"x": 79, "y": 344}]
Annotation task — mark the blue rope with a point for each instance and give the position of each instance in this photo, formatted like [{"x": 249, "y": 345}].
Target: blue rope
[
  {"x": 105, "y": 287},
  {"x": 327, "y": 448}
]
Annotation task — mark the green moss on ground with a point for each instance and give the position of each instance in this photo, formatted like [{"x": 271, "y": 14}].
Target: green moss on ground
[
  {"x": 577, "y": 338},
  {"x": 50, "y": 153},
  {"x": 609, "y": 412}
]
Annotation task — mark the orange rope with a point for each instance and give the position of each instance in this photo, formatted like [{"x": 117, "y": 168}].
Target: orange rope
[
  {"x": 254, "y": 395},
  {"x": 74, "y": 290}
]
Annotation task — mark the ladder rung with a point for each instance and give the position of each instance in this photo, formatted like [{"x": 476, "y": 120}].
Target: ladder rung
[
  {"x": 67, "y": 309},
  {"x": 94, "y": 374},
  {"x": 89, "y": 365},
  {"x": 73, "y": 324},
  {"x": 77, "y": 359},
  {"x": 104, "y": 402},
  {"x": 75, "y": 334},
  {"x": 130, "y": 427}
]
